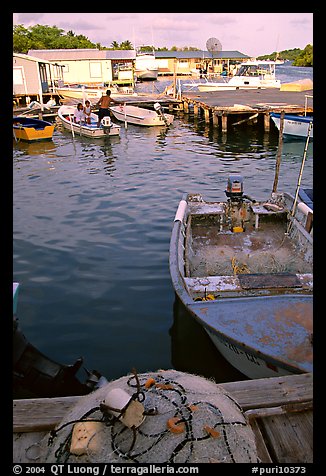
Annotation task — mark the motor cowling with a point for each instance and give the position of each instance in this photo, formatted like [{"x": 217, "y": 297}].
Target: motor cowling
[
  {"x": 106, "y": 122},
  {"x": 234, "y": 189}
]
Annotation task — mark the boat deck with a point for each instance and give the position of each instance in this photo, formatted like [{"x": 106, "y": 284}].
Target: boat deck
[
  {"x": 255, "y": 250},
  {"x": 279, "y": 409}
]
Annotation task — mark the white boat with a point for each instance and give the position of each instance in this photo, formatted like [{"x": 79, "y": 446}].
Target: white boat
[
  {"x": 294, "y": 126},
  {"x": 244, "y": 270},
  {"x": 82, "y": 92},
  {"x": 107, "y": 127},
  {"x": 146, "y": 66},
  {"x": 141, "y": 116},
  {"x": 250, "y": 75}
]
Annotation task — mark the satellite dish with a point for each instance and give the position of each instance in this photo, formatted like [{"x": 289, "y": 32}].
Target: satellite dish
[{"x": 213, "y": 44}]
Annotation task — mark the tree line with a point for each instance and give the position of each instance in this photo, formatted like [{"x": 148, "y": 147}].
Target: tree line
[
  {"x": 298, "y": 57},
  {"x": 44, "y": 37}
]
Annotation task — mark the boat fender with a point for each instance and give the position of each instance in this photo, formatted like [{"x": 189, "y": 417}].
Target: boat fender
[
  {"x": 181, "y": 210},
  {"x": 304, "y": 208},
  {"x": 121, "y": 405}
]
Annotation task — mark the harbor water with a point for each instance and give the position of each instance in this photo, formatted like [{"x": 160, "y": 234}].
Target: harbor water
[{"x": 92, "y": 220}]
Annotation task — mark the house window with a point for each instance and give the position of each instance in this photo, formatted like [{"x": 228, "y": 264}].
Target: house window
[
  {"x": 18, "y": 76},
  {"x": 183, "y": 64},
  {"x": 95, "y": 70}
]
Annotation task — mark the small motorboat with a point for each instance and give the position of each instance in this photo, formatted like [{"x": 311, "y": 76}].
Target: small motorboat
[
  {"x": 294, "y": 126},
  {"x": 141, "y": 116},
  {"x": 29, "y": 129},
  {"x": 244, "y": 270},
  {"x": 107, "y": 127}
]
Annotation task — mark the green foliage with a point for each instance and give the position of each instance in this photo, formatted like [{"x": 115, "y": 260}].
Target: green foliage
[
  {"x": 297, "y": 56},
  {"x": 39, "y": 37},
  {"x": 305, "y": 58}
]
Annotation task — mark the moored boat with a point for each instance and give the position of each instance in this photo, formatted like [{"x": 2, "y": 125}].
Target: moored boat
[
  {"x": 82, "y": 92},
  {"x": 146, "y": 66},
  {"x": 107, "y": 127},
  {"x": 29, "y": 129},
  {"x": 243, "y": 269},
  {"x": 294, "y": 126},
  {"x": 141, "y": 116},
  {"x": 250, "y": 75}
]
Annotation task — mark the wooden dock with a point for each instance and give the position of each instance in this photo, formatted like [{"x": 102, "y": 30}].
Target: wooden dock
[
  {"x": 279, "y": 410},
  {"x": 217, "y": 107}
]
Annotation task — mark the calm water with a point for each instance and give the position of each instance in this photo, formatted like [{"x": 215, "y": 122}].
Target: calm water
[{"x": 91, "y": 230}]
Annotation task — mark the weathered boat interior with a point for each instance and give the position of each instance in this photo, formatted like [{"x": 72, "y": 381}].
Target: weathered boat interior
[{"x": 244, "y": 247}]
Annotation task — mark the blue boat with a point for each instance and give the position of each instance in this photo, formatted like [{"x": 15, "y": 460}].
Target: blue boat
[
  {"x": 294, "y": 126},
  {"x": 243, "y": 269}
]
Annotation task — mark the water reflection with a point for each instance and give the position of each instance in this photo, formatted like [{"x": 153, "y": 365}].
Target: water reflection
[{"x": 35, "y": 148}]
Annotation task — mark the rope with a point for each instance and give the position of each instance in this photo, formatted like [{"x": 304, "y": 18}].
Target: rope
[{"x": 239, "y": 268}]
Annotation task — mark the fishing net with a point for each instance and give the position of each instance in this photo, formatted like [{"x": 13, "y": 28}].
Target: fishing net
[{"x": 184, "y": 419}]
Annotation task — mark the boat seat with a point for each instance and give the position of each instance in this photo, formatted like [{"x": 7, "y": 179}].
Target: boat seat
[
  {"x": 261, "y": 210},
  {"x": 240, "y": 282},
  {"x": 200, "y": 208}
]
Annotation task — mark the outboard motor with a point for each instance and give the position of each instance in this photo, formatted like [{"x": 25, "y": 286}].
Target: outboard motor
[
  {"x": 106, "y": 124},
  {"x": 234, "y": 189},
  {"x": 158, "y": 109}
]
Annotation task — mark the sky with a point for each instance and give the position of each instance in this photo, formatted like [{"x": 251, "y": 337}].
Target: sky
[{"x": 253, "y": 34}]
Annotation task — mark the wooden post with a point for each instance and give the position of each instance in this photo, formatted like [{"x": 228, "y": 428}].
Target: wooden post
[
  {"x": 224, "y": 123},
  {"x": 196, "y": 110},
  {"x": 206, "y": 114},
  {"x": 267, "y": 122},
  {"x": 186, "y": 107},
  {"x": 174, "y": 77},
  {"x": 215, "y": 120},
  {"x": 279, "y": 152}
]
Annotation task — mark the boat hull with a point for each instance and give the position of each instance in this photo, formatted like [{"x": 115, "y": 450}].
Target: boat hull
[
  {"x": 147, "y": 74},
  {"x": 30, "y": 130},
  {"x": 140, "y": 116},
  {"x": 244, "y": 83},
  {"x": 260, "y": 321},
  {"x": 65, "y": 115},
  {"x": 294, "y": 126},
  {"x": 79, "y": 93}
]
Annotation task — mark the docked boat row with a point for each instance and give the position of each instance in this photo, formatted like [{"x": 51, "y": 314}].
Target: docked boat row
[
  {"x": 30, "y": 130},
  {"x": 244, "y": 270}
]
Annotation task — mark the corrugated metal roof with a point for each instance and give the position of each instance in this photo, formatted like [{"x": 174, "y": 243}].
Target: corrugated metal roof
[
  {"x": 30, "y": 58},
  {"x": 82, "y": 54},
  {"x": 91, "y": 53},
  {"x": 201, "y": 54}
]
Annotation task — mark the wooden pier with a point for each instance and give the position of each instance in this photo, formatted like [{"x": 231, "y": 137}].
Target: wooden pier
[
  {"x": 279, "y": 410},
  {"x": 243, "y": 105},
  {"x": 220, "y": 109}
]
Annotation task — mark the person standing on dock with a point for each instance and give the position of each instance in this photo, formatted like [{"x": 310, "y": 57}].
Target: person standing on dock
[{"x": 103, "y": 105}]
